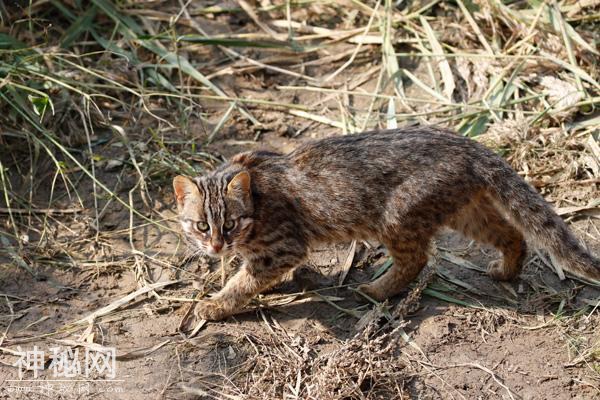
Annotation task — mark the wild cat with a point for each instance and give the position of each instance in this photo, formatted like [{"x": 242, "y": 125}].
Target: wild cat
[{"x": 399, "y": 187}]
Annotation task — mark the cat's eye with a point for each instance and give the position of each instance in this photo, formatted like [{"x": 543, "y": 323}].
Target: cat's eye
[
  {"x": 202, "y": 226},
  {"x": 229, "y": 224}
]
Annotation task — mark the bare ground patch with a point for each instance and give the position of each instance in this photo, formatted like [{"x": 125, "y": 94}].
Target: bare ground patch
[{"x": 92, "y": 133}]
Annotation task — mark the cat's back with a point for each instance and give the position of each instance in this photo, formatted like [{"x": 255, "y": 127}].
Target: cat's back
[
  {"x": 411, "y": 144},
  {"x": 376, "y": 159},
  {"x": 417, "y": 146}
]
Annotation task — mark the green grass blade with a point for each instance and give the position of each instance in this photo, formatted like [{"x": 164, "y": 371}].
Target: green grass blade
[
  {"x": 82, "y": 24},
  {"x": 223, "y": 41},
  {"x": 131, "y": 30}
]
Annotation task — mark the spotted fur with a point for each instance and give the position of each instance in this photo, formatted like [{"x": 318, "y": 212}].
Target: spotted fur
[{"x": 398, "y": 187}]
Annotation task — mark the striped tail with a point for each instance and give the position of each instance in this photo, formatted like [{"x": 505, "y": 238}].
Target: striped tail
[{"x": 540, "y": 225}]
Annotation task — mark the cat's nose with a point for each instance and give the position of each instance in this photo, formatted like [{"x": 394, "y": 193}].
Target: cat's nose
[{"x": 216, "y": 247}]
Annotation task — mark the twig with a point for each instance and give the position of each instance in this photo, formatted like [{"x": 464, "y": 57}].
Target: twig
[{"x": 40, "y": 210}]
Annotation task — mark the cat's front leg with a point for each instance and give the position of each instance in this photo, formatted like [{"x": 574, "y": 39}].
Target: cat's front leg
[{"x": 250, "y": 280}]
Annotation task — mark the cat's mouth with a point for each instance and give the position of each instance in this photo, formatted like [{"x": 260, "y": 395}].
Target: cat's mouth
[
  {"x": 207, "y": 249},
  {"x": 213, "y": 252},
  {"x": 216, "y": 251}
]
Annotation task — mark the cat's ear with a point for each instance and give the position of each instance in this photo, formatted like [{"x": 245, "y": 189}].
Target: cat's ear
[
  {"x": 240, "y": 184},
  {"x": 185, "y": 190}
]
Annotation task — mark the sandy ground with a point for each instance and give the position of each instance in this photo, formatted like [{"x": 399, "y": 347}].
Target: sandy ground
[
  {"x": 532, "y": 339},
  {"x": 467, "y": 337}
]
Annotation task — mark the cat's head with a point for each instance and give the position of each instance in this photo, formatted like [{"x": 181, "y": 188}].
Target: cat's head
[{"x": 215, "y": 210}]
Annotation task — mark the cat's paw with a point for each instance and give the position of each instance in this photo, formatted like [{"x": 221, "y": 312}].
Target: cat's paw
[
  {"x": 372, "y": 291},
  {"x": 497, "y": 270},
  {"x": 209, "y": 310}
]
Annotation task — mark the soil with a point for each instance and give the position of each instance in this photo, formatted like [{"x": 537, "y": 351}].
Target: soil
[
  {"x": 512, "y": 337},
  {"x": 535, "y": 338}
]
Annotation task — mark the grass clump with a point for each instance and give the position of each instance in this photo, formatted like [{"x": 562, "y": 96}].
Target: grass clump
[{"x": 102, "y": 102}]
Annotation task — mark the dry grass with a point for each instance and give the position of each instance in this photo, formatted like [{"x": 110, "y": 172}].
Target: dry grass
[{"x": 102, "y": 102}]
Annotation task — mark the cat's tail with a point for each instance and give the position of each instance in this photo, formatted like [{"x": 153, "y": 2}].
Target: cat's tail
[{"x": 538, "y": 222}]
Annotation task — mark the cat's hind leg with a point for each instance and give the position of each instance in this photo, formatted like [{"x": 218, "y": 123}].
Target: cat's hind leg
[
  {"x": 409, "y": 256},
  {"x": 481, "y": 220}
]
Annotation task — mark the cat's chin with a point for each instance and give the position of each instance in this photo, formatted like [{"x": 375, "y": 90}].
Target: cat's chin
[{"x": 213, "y": 254}]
